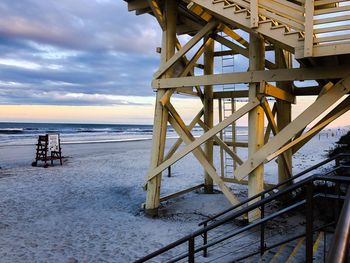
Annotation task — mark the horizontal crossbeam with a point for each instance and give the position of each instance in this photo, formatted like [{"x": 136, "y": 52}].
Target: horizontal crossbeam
[{"x": 256, "y": 76}]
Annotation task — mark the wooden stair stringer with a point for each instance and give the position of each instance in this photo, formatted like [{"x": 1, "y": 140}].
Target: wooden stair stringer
[{"x": 276, "y": 36}]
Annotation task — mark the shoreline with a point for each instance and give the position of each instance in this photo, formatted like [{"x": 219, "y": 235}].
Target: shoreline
[{"x": 88, "y": 142}]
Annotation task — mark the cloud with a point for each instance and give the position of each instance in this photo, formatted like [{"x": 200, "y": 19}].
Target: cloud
[{"x": 94, "y": 48}]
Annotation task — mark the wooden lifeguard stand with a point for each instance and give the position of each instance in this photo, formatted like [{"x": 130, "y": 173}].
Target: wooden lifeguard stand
[
  {"x": 48, "y": 149},
  {"x": 283, "y": 42}
]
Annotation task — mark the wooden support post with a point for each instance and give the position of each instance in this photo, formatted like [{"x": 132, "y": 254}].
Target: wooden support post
[
  {"x": 222, "y": 163},
  {"x": 284, "y": 115},
  {"x": 233, "y": 134},
  {"x": 161, "y": 114},
  {"x": 256, "y": 121},
  {"x": 309, "y": 28},
  {"x": 208, "y": 110},
  {"x": 254, "y": 14}
]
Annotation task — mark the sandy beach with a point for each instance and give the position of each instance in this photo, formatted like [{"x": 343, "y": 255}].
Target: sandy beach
[{"x": 89, "y": 209}]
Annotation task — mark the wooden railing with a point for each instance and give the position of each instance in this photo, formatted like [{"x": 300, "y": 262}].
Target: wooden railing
[
  {"x": 324, "y": 24},
  {"x": 331, "y": 22},
  {"x": 290, "y": 14}
]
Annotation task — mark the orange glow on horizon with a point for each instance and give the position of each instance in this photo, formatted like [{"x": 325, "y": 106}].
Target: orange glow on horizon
[{"x": 123, "y": 114}]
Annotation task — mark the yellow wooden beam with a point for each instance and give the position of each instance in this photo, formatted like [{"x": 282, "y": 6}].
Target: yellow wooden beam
[{"x": 276, "y": 92}]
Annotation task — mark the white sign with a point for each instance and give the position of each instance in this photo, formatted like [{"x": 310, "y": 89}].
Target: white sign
[{"x": 54, "y": 143}]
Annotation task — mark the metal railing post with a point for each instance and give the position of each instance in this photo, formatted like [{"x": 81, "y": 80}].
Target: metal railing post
[
  {"x": 169, "y": 171},
  {"x": 340, "y": 244},
  {"x": 205, "y": 240},
  {"x": 262, "y": 228},
  {"x": 309, "y": 222},
  {"x": 191, "y": 250}
]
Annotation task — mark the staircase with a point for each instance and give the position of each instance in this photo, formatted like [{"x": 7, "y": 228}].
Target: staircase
[
  {"x": 293, "y": 252},
  {"x": 305, "y": 28},
  {"x": 219, "y": 240}
]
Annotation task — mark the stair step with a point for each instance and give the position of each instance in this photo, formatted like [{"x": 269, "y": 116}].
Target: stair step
[
  {"x": 265, "y": 21},
  {"x": 276, "y": 257},
  {"x": 218, "y": 1},
  {"x": 292, "y": 33},
  {"x": 278, "y": 27},
  {"x": 230, "y": 6},
  {"x": 241, "y": 11},
  {"x": 295, "y": 250},
  {"x": 317, "y": 242}
]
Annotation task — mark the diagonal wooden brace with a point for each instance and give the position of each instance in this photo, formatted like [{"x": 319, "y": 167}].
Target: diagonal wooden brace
[
  {"x": 335, "y": 112},
  {"x": 179, "y": 141},
  {"x": 285, "y": 135},
  {"x": 270, "y": 117},
  {"x": 207, "y": 28},
  {"x": 187, "y": 137},
  {"x": 206, "y": 136},
  {"x": 344, "y": 107},
  {"x": 222, "y": 144}
]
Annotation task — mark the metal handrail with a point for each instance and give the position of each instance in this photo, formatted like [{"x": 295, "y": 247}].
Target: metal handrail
[
  {"x": 286, "y": 182},
  {"x": 338, "y": 251},
  {"x": 191, "y": 237}
]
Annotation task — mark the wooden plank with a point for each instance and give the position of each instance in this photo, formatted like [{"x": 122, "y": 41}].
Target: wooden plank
[
  {"x": 194, "y": 40},
  {"x": 309, "y": 28},
  {"x": 137, "y": 4},
  {"x": 231, "y": 94},
  {"x": 332, "y": 38},
  {"x": 202, "y": 139},
  {"x": 332, "y": 10},
  {"x": 328, "y": 2},
  {"x": 337, "y": 109},
  {"x": 314, "y": 73},
  {"x": 157, "y": 11},
  {"x": 161, "y": 114},
  {"x": 255, "y": 122},
  {"x": 222, "y": 162},
  {"x": 326, "y": 20},
  {"x": 235, "y": 144},
  {"x": 273, "y": 91},
  {"x": 268, "y": 128},
  {"x": 305, "y": 118},
  {"x": 254, "y": 14},
  {"x": 208, "y": 105},
  {"x": 275, "y": 130},
  {"x": 332, "y": 29},
  {"x": 311, "y": 132},
  {"x": 182, "y": 192},
  {"x": 244, "y": 182}
]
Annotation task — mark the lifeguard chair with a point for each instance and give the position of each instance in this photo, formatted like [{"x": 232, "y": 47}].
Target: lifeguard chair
[{"x": 48, "y": 148}]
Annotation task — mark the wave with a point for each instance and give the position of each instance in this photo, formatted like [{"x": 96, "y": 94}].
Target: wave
[{"x": 11, "y": 130}]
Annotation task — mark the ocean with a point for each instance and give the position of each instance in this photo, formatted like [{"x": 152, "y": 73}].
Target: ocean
[
  {"x": 27, "y": 133},
  {"x": 12, "y": 133}
]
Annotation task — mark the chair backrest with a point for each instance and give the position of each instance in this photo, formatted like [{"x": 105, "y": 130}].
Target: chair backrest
[{"x": 54, "y": 142}]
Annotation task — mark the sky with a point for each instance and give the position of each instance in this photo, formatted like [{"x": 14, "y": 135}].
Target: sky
[{"x": 82, "y": 61}]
